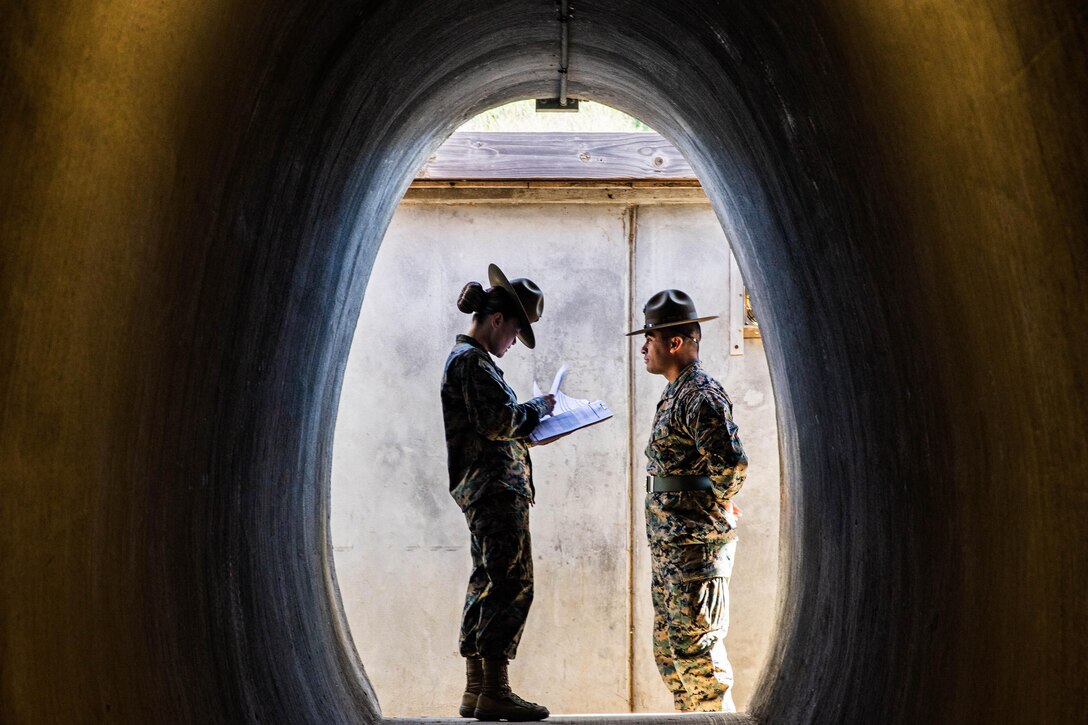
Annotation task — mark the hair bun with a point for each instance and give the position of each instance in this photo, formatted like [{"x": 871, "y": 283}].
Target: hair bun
[{"x": 472, "y": 299}]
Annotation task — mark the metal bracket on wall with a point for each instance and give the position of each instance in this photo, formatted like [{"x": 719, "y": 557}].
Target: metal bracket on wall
[
  {"x": 736, "y": 308},
  {"x": 561, "y": 103},
  {"x": 551, "y": 105}
]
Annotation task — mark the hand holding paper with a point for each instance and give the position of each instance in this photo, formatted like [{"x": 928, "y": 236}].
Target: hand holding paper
[{"x": 569, "y": 414}]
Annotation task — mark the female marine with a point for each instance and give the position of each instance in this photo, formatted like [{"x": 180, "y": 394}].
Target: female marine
[{"x": 491, "y": 479}]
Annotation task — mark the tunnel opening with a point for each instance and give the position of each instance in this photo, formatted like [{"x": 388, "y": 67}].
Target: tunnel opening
[
  {"x": 596, "y": 249},
  {"x": 339, "y": 170},
  {"x": 311, "y": 156},
  {"x": 194, "y": 198},
  {"x": 345, "y": 224}
]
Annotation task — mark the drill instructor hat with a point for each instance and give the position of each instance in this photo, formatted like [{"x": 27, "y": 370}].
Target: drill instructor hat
[
  {"x": 528, "y": 301},
  {"x": 668, "y": 308}
]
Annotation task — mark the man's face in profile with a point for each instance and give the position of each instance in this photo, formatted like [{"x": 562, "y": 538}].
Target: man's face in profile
[{"x": 655, "y": 352}]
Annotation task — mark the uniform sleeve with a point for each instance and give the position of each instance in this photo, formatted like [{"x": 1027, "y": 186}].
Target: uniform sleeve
[
  {"x": 492, "y": 410},
  {"x": 709, "y": 418}
]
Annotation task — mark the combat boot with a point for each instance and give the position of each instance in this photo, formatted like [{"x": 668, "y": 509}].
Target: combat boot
[
  {"x": 474, "y": 682},
  {"x": 498, "y": 702}
]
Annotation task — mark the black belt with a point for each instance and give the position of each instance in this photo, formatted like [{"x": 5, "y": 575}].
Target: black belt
[{"x": 672, "y": 484}]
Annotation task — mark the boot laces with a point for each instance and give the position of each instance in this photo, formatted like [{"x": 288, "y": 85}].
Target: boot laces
[{"x": 517, "y": 699}]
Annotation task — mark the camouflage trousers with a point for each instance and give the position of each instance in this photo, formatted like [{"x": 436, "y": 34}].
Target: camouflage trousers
[
  {"x": 691, "y": 619},
  {"x": 500, "y": 588}
]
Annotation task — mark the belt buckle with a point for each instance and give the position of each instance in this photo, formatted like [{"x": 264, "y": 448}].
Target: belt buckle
[{"x": 649, "y": 484}]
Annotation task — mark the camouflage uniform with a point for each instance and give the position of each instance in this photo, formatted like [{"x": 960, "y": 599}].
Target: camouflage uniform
[
  {"x": 693, "y": 538},
  {"x": 491, "y": 479}
]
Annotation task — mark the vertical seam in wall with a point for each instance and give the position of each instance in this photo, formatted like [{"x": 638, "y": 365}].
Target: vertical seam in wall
[{"x": 631, "y": 222}]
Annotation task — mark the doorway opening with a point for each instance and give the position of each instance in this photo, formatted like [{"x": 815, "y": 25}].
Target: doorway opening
[{"x": 599, "y": 236}]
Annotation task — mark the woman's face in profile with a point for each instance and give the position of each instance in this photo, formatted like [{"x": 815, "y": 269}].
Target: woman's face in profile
[{"x": 506, "y": 334}]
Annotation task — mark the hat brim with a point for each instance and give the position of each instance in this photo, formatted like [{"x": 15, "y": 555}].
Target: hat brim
[
  {"x": 498, "y": 279},
  {"x": 669, "y": 324}
]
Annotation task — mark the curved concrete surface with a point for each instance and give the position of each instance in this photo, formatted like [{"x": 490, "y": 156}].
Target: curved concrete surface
[{"x": 192, "y": 194}]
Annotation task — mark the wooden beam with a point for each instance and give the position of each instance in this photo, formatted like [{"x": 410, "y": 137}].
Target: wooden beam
[
  {"x": 554, "y": 184},
  {"x": 492, "y": 155},
  {"x": 562, "y": 195}
]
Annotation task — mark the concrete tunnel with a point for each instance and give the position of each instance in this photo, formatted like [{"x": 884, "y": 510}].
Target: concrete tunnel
[{"x": 191, "y": 199}]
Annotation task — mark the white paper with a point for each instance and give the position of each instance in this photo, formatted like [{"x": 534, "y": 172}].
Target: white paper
[
  {"x": 560, "y": 376},
  {"x": 569, "y": 413},
  {"x": 572, "y": 420}
]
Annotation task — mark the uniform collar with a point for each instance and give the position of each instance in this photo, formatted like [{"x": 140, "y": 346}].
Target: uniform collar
[
  {"x": 470, "y": 340},
  {"x": 683, "y": 377},
  {"x": 473, "y": 342}
]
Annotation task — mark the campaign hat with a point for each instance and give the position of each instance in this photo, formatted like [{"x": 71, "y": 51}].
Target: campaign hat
[
  {"x": 528, "y": 301},
  {"x": 668, "y": 308}
]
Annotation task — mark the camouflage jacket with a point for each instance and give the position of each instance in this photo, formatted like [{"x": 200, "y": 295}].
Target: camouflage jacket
[
  {"x": 486, "y": 427},
  {"x": 694, "y": 434}
]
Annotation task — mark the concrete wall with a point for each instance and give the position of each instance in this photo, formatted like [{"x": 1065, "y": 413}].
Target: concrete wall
[{"x": 401, "y": 543}]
